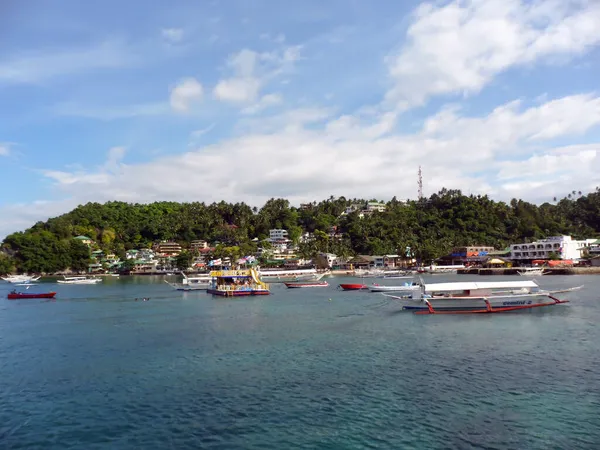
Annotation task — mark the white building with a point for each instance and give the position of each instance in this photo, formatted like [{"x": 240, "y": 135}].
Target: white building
[
  {"x": 278, "y": 235},
  {"x": 375, "y": 206},
  {"x": 563, "y": 246},
  {"x": 329, "y": 258}
]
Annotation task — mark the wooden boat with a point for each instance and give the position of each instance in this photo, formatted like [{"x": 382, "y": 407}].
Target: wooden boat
[
  {"x": 307, "y": 284},
  {"x": 14, "y": 295},
  {"x": 352, "y": 286},
  {"x": 237, "y": 283},
  {"x": 479, "y": 297}
]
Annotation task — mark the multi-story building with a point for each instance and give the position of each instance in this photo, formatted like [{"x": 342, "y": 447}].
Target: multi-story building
[
  {"x": 375, "y": 206},
  {"x": 278, "y": 235},
  {"x": 564, "y": 247},
  {"x": 168, "y": 248}
]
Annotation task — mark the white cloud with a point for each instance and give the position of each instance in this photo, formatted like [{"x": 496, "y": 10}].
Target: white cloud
[
  {"x": 75, "y": 109},
  {"x": 303, "y": 158},
  {"x": 238, "y": 90},
  {"x": 252, "y": 71},
  {"x": 266, "y": 101},
  {"x": 4, "y": 149},
  {"x": 39, "y": 65},
  {"x": 172, "y": 35},
  {"x": 186, "y": 92},
  {"x": 458, "y": 47},
  {"x": 201, "y": 132}
]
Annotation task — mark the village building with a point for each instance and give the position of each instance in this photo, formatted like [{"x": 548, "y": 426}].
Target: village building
[{"x": 554, "y": 247}]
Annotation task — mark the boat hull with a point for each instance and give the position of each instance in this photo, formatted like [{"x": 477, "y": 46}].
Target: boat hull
[
  {"x": 288, "y": 278},
  {"x": 501, "y": 302},
  {"x": 18, "y": 296},
  {"x": 237, "y": 293},
  {"x": 306, "y": 284},
  {"x": 353, "y": 287}
]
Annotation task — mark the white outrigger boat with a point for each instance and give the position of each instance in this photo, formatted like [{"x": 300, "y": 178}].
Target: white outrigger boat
[
  {"x": 20, "y": 279},
  {"x": 406, "y": 287},
  {"x": 532, "y": 271},
  {"x": 287, "y": 276},
  {"x": 79, "y": 280},
  {"x": 479, "y": 297},
  {"x": 199, "y": 283}
]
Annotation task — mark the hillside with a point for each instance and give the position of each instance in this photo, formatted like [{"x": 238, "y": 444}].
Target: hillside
[{"x": 430, "y": 227}]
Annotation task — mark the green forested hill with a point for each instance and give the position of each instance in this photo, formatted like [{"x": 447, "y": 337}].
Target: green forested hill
[{"x": 429, "y": 226}]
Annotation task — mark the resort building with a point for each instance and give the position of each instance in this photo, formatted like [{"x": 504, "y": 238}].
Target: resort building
[
  {"x": 168, "y": 248},
  {"x": 278, "y": 235},
  {"x": 563, "y": 247}
]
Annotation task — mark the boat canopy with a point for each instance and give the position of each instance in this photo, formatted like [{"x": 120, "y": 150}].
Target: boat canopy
[{"x": 471, "y": 286}]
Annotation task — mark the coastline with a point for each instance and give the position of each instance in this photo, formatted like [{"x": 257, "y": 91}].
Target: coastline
[{"x": 548, "y": 271}]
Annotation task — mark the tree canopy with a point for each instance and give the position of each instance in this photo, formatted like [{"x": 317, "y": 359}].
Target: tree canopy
[{"x": 430, "y": 227}]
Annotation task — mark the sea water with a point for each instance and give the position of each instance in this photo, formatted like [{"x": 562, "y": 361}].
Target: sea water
[{"x": 304, "y": 368}]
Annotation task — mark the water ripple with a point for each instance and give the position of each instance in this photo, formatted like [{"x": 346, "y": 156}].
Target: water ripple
[{"x": 295, "y": 371}]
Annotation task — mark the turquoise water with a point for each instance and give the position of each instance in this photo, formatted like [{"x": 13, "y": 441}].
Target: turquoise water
[{"x": 309, "y": 369}]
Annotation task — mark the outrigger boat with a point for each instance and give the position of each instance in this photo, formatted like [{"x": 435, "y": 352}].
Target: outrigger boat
[
  {"x": 480, "y": 297},
  {"x": 20, "y": 279},
  {"x": 406, "y": 287},
  {"x": 237, "y": 283},
  {"x": 199, "y": 283},
  {"x": 307, "y": 284}
]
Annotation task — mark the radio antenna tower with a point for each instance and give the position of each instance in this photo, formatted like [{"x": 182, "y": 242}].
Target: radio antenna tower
[{"x": 420, "y": 184}]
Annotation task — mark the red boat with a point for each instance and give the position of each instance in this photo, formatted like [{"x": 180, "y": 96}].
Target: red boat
[
  {"x": 353, "y": 287},
  {"x": 18, "y": 295},
  {"x": 306, "y": 284}
]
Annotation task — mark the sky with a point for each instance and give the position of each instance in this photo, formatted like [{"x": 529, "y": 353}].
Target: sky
[{"x": 245, "y": 100}]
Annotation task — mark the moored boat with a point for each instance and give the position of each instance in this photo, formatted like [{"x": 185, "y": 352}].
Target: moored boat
[
  {"x": 531, "y": 271},
  {"x": 406, "y": 287},
  {"x": 291, "y": 275},
  {"x": 79, "y": 280},
  {"x": 14, "y": 295},
  {"x": 352, "y": 286},
  {"x": 480, "y": 297},
  {"x": 20, "y": 279},
  {"x": 197, "y": 283},
  {"x": 307, "y": 284},
  {"x": 237, "y": 283}
]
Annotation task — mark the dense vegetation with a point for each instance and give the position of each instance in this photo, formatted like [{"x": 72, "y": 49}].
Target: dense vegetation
[{"x": 430, "y": 227}]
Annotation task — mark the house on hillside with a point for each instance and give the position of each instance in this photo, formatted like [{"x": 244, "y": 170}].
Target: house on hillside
[{"x": 84, "y": 240}]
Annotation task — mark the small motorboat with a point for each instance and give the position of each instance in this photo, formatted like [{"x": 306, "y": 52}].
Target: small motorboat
[
  {"x": 306, "y": 284},
  {"x": 353, "y": 287},
  {"x": 14, "y": 295}
]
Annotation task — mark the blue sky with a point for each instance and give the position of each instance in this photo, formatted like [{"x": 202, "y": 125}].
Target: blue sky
[{"x": 244, "y": 101}]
